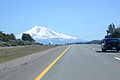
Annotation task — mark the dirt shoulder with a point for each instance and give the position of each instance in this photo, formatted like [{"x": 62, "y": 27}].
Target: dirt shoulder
[
  {"x": 15, "y": 64},
  {"x": 10, "y": 53}
]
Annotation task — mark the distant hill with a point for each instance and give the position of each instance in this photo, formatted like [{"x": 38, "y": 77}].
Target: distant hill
[{"x": 94, "y": 42}]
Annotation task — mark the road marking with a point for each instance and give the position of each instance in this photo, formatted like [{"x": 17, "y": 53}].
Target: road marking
[
  {"x": 117, "y": 58},
  {"x": 49, "y": 67}
]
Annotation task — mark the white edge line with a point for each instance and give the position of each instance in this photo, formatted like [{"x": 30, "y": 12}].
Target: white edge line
[{"x": 117, "y": 58}]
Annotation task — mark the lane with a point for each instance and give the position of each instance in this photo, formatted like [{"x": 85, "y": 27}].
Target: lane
[
  {"x": 50, "y": 66},
  {"x": 83, "y": 63},
  {"x": 97, "y": 48},
  {"x": 31, "y": 70}
]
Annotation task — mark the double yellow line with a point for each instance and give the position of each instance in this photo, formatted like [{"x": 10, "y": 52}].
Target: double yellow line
[{"x": 49, "y": 67}]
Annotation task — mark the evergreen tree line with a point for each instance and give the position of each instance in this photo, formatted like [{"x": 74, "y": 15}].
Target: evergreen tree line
[
  {"x": 10, "y": 40},
  {"x": 7, "y": 37},
  {"x": 113, "y": 31}
]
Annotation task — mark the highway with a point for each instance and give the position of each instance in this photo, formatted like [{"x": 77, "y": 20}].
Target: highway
[{"x": 79, "y": 62}]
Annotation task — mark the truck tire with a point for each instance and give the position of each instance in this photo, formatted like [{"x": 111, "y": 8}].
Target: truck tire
[
  {"x": 117, "y": 50},
  {"x": 103, "y": 50}
]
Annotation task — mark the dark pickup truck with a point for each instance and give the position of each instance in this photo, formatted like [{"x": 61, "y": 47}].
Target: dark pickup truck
[{"x": 110, "y": 44}]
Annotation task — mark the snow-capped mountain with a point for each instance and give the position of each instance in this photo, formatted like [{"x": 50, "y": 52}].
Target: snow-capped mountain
[{"x": 44, "y": 35}]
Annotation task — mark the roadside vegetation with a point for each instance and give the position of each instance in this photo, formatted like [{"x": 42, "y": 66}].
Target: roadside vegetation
[
  {"x": 10, "y": 40},
  {"x": 10, "y": 53},
  {"x": 113, "y": 31},
  {"x": 12, "y": 48}
]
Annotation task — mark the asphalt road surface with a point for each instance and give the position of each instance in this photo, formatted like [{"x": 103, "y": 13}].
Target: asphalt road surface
[{"x": 80, "y": 62}]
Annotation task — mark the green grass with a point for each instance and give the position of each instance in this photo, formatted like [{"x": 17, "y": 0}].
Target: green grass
[{"x": 7, "y": 54}]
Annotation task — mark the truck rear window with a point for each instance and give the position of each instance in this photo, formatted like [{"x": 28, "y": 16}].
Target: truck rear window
[{"x": 112, "y": 40}]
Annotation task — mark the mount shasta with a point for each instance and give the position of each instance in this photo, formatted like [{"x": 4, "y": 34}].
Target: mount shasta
[{"x": 44, "y": 35}]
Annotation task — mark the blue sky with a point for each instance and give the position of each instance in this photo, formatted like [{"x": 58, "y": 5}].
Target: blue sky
[{"x": 84, "y": 19}]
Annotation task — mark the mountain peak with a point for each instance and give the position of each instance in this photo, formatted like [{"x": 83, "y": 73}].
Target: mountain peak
[
  {"x": 38, "y": 32},
  {"x": 39, "y": 27},
  {"x": 43, "y": 34}
]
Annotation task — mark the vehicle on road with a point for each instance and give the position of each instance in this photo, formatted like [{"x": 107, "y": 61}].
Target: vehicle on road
[{"x": 110, "y": 44}]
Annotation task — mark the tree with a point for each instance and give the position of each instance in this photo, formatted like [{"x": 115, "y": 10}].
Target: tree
[
  {"x": 12, "y": 36},
  {"x": 11, "y": 40},
  {"x": 116, "y": 34},
  {"x": 113, "y": 32},
  {"x": 1, "y": 35},
  {"x": 27, "y": 37},
  {"x": 111, "y": 29}
]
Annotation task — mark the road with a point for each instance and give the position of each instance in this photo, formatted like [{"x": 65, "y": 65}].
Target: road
[{"x": 80, "y": 62}]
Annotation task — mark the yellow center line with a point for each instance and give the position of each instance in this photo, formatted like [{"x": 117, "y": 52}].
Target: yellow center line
[{"x": 49, "y": 67}]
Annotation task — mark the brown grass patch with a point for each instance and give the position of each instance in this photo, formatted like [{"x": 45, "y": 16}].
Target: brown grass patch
[{"x": 7, "y": 54}]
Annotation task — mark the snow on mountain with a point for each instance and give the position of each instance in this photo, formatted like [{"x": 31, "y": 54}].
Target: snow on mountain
[
  {"x": 39, "y": 32},
  {"x": 44, "y": 35}
]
